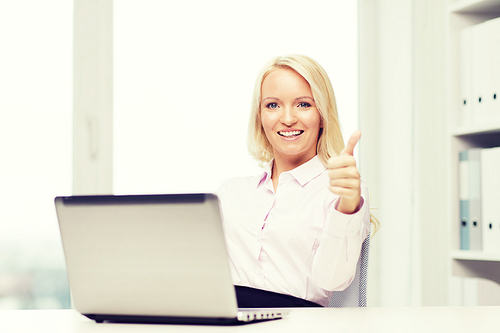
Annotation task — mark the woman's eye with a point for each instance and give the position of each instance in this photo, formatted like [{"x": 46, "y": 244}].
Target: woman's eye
[
  {"x": 304, "y": 105},
  {"x": 272, "y": 105}
]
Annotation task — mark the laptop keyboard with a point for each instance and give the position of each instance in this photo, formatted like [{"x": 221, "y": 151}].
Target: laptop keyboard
[{"x": 251, "y": 315}]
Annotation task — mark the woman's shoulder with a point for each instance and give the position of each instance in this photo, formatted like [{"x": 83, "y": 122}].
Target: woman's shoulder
[{"x": 238, "y": 183}]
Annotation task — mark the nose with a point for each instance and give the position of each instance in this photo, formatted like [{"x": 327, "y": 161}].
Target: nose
[{"x": 288, "y": 117}]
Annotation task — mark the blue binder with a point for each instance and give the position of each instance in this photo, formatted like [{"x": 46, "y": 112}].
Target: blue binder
[{"x": 464, "y": 200}]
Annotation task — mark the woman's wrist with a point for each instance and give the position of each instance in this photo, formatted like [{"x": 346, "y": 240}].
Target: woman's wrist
[{"x": 348, "y": 206}]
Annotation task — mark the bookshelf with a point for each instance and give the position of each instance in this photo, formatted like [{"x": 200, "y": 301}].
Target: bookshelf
[
  {"x": 475, "y": 255},
  {"x": 473, "y": 6},
  {"x": 461, "y": 14}
]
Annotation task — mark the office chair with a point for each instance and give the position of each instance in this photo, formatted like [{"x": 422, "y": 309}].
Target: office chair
[{"x": 355, "y": 294}]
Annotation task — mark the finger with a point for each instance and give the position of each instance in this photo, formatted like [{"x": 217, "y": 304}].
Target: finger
[
  {"x": 341, "y": 162},
  {"x": 349, "y": 172},
  {"x": 349, "y": 183},
  {"x": 353, "y": 140},
  {"x": 344, "y": 192}
]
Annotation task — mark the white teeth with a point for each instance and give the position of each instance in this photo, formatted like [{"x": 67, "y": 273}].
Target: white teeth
[{"x": 290, "y": 133}]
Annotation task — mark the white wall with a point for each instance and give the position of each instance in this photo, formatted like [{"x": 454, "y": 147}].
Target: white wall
[
  {"x": 402, "y": 107},
  {"x": 93, "y": 97},
  {"x": 389, "y": 159},
  {"x": 430, "y": 127}
]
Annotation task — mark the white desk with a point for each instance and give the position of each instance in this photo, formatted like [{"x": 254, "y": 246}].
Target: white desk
[{"x": 422, "y": 320}]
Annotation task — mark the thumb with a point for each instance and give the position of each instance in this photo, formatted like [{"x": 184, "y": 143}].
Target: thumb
[{"x": 353, "y": 140}]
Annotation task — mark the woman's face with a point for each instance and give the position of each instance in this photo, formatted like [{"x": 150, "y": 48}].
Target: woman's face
[{"x": 289, "y": 116}]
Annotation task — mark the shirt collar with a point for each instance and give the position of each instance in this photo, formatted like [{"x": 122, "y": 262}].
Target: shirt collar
[
  {"x": 303, "y": 173},
  {"x": 266, "y": 173}
]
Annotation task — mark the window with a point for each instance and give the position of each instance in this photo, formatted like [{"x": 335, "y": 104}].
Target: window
[
  {"x": 36, "y": 138},
  {"x": 183, "y": 79}
]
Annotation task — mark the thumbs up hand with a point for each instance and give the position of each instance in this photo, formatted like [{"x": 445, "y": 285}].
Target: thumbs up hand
[{"x": 345, "y": 178}]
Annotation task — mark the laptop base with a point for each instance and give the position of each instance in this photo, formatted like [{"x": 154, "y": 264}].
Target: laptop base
[{"x": 101, "y": 318}]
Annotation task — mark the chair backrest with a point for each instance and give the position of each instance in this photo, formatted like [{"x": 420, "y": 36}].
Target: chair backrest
[{"x": 355, "y": 294}]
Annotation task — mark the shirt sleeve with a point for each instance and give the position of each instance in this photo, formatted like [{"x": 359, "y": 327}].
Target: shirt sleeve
[
  {"x": 221, "y": 191},
  {"x": 336, "y": 258}
]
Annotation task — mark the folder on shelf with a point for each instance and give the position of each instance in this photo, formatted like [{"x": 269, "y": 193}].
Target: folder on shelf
[
  {"x": 490, "y": 199},
  {"x": 480, "y": 73},
  {"x": 475, "y": 220},
  {"x": 493, "y": 27},
  {"x": 465, "y": 76},
  {"x": 487, "y": 189},
  {"x": 464, "y": 199},
  {"x": 496, "y": 199}
]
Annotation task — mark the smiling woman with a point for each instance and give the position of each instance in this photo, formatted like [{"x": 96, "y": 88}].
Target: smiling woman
[{"x": 294, "y": 232}]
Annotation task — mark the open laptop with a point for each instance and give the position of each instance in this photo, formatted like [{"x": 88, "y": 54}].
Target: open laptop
[{"x": 151, "y": 259}]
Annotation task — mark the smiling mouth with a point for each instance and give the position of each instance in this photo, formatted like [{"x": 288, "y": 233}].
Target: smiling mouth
[{"x": 290, "y": 134}]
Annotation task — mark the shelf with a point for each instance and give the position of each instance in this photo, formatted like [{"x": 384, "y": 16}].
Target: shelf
[
  {"x": 478, "y": 132},
  {"x": 467, "y": 131},
  {"x": 475, "y": 7},
  {"x": 482, "y": 137},
  {"x": 475, "y": 255},
  {"x": 476, "y": 265}
]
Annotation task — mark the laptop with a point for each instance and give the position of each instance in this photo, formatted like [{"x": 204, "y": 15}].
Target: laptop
[{"x": 150, "y": 259}]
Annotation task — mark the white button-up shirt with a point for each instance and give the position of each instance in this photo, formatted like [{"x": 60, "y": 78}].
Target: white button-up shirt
[{"x": 293, "y": 241}]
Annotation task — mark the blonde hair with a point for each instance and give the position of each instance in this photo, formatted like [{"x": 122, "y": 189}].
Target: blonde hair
[{"x": 330, "y": 140}]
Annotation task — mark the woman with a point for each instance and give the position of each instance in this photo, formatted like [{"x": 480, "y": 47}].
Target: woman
[{"x": 294, "y": 233}]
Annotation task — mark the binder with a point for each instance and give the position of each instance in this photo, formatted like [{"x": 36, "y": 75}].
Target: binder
[
  {"x": 493, "y": 28},
  {"x": 464, "y": 199},
  {"x": 496, "y": 200},
  {"x": 475, "y": 220},
  {"x": 480, "y": 74},
  {"x": 486, "y": 194},
  {"x": 465, "y": 76},
  {"x": 490, "y": 199}
]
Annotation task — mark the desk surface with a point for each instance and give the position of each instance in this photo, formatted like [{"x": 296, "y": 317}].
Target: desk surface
[{"x": 372, "y": 319}]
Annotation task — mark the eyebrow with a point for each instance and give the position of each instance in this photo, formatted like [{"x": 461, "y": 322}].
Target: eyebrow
[{"x": 277, "y": 99}]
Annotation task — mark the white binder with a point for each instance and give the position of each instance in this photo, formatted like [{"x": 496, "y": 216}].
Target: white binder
[
  {"x": 495, "y": 179},
  {"x": 493, "y": 28},
  {"x": 480, "y": 73},
  {"x": 490, "y": 184},
  {"x": 465, "y": 76},
  {"x": 496, "y": 200}
]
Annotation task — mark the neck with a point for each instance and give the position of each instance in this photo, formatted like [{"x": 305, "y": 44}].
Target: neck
[{"x": 286, "y": 163}]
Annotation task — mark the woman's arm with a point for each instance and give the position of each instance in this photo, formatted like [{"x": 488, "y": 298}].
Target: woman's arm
[
  {"x": 335, "y": 261},
  {"x": 347, "y": 223}
]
